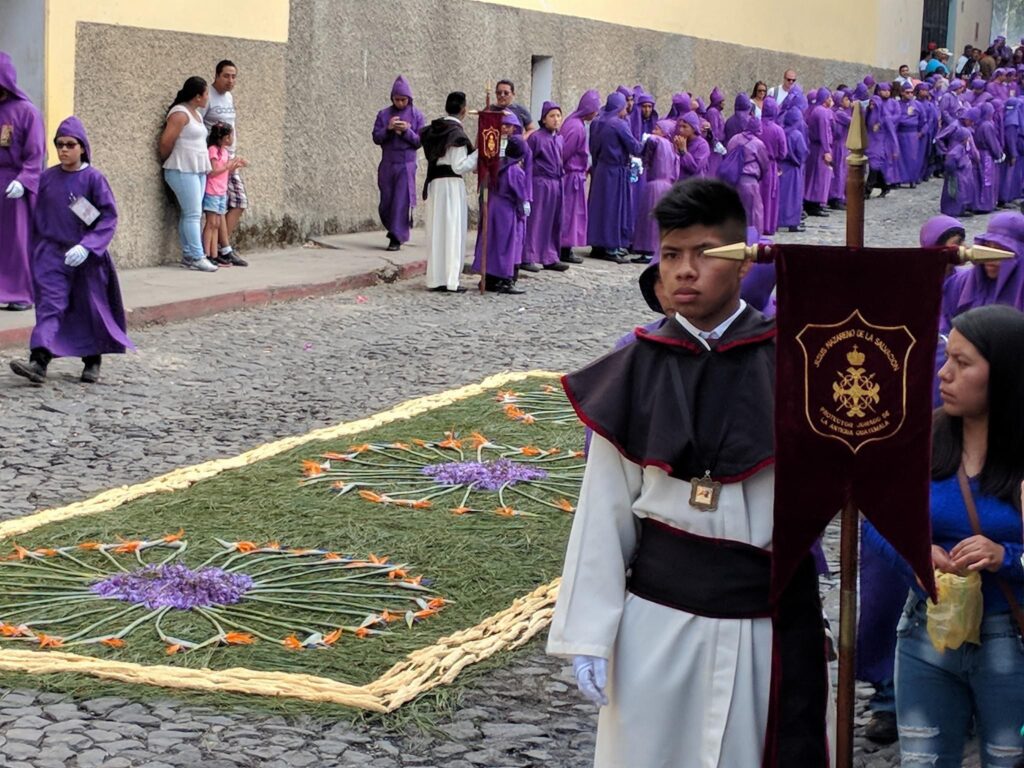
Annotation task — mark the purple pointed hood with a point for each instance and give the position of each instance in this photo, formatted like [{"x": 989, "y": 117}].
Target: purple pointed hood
[
  {"x": 510, "y": 118},
  {"x": 548, "y": 106},
  {"x": 753, "y": 126},
  {"x": 72, "y": 126},
  {"x": 590, "y": 102},
  {"x": 938, "y": 229},
  {"x": 1006, "y": 231},
  {"x": 716, "y": 99},
  {"x": 824, "y": 94},
  {"x": 668, "y": 127},
  {"x": 860, "y": 93},
  {"x": 742, "y": 102},
  {"x": 869, "y": 81},
  {"x": 612, "y": 106},
  {"x": 770, "y": 109},
  {"x": 9, "y": 78},
  {"x": 645, "y": 98},
  {"x": 691, "y": 119},
  {"x": 401, "y": 88},
  {"x": 681, "y": 103}
]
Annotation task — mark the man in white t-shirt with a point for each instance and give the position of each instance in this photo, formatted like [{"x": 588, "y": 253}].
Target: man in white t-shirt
[
  {"x": 221, "y": 109},
  {"x": 781, "y": 91}
]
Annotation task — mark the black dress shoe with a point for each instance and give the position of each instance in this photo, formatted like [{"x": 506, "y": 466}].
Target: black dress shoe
[
  {"x": 566, "y": 255},
  {"x": 438, "y": 289},
  {"x": 881, "y": 729},
  {"x": 18, "y": 306},
  {"x": 91, "y": 373},
  {"x": 530, "y": 267},
  {"x": 459, "y": 289},
  {"x": 837, "y": 205},
  {"x": 31, "y": 370},
  {"x": 509, "y": 287},
  {"x": 818, "y": 211},
  {"x": 800, "y": 228},
  {"x": 558, "y": 266},
  {"x": 394, "y": 246}
]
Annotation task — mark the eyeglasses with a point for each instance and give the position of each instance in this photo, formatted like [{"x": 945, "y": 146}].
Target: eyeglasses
[
  {"x": 761, "y": 90},
  {"x": 65, "y": 144},
  {"x": 503, "y": 93},
  {"x": 790, "y": 79}
]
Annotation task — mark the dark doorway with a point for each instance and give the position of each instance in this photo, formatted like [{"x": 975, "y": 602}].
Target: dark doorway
[{"x": 935, "y": 24}]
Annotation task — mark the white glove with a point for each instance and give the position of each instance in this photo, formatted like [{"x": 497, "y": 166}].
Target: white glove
[
  {"x": 591, "y": 677},
  {"x": 15, "y": 190},
  {"x": 1002, "y": 158},
  {"x": 644, "y": 138},
  {"x": 720, "y": 148},
  {"x": 637, "y": 163},
  {"x": 526, "y": 209},
  {"x": 75, "y": 255}
]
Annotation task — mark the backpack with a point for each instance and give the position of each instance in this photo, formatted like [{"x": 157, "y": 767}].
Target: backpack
[{"x": 731, "y": 167}]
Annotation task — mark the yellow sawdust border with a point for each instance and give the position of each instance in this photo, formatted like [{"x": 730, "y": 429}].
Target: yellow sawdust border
[{"x": 420, "y": 671}]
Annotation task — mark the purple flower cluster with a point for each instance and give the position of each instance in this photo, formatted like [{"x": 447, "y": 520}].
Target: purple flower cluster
[
  {"x": 175, "y": 586},
  {"x": 486, "y": 475}
]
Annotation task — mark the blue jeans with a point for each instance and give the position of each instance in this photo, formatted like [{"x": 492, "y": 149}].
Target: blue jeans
[
  {"x": 936, "y": 693},
  {"x": 189, "y": 189}
]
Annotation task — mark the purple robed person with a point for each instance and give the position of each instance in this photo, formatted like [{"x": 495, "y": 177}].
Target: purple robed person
[
  {"x": 774, "y": 138},
  {"x": 544, "y": 224},
  {"x": 661, "y": 165},
  {"x": 841, "y": 119},
  {"x": 791, "y": 182},
  {"x": 990, "y": 149},
  {"x": 79, "y": 312},
  {"x": 695, "y": 160},
  {"x": 22, "y": 154},
  {"x": 996, "y": 282},
  {"x": 396, "y": 174},
  {"x": 960, "y": 187},
  {"x": 608, "y": 208},
  {"x": 882, "y": 150},
  {"x": 737, "y": 123},
  {"x": 717, "y": 123},
  {"x": 575, "y": 162},
  {"x": 680, "y": 106},
  {"x": 818, "y": 168},
  {"x": 754, "y": 168},
  {"x": 909, "y": 133},
  {"x": 1013, "y": 147},
  {"x": 506, "y": 212}
]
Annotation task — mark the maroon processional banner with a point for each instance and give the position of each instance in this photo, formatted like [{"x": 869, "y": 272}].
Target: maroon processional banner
[
  {"x": 488, "y": 143},
  {"x": 857, "y": 335}
]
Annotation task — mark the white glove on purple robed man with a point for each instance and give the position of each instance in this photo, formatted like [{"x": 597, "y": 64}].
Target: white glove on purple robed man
[
  {"x": 15, "y": 190},
  {"x": 591, "y": 677},
  {"x": 75, "y": 255}
]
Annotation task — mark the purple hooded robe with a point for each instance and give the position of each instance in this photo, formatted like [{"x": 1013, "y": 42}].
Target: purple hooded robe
[
  {"x": 695, "y": 161},
  {"x": 774, "y": 138},
  {"x": 990, "y": 149},
  {"x": 818, "y": 169},
  {"x": 21, "y": 159},
  {"x": 661, "y": 165},
  {"x": 909, "y": 135},
  {"x": 1013, "y": 146},
  {"x": 791, "y": 182},
  {"x": 717, "y": 123},
  {"x": 882, "y": 149},
  {"x": 841, "y": 119},
  {"x": 544, "y": 224},
  {"x": 396, "y": 174},
  {"x": 736, "y": 124},
  {"x": 506, "y": 214},
  {"x": 575, "y": 162},
  {"x": 78, "y": 309},
  {"x": 608, "y": 208},
  {"x": 974, "y": 288},
  {"x": 755, "y": 166},
  {"x": 959, "y": 188}
]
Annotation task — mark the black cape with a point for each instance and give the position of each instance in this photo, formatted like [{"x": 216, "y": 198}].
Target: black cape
[
  {"x": 435, "y": 139},
  {"x": 668, "y": 402}
]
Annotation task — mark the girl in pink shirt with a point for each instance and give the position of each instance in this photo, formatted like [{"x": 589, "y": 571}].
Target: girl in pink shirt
[{"x": 215, "y": 201}]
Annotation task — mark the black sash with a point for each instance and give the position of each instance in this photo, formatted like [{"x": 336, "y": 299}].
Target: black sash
[{"x": 728, "y": 579}]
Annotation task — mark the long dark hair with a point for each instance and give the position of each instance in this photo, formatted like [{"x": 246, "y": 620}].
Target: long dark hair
[
  {"x": 217, "y": 132},
  {"x": 998, "y": 334},
  {"x": 193, "y": 87}
]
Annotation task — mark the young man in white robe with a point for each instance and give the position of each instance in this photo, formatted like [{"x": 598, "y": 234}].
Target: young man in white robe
[
  {"x": 450, "y": 155},
  {"x": 664, "y": 605}
]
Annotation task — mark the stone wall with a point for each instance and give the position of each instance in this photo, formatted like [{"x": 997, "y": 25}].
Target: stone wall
[{"x": 306, "y": 107}]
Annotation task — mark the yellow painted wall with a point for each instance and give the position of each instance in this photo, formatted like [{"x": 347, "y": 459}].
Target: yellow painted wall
[
  {"x": 878, "y": 32},
  {"x": 248, "y": 19}
]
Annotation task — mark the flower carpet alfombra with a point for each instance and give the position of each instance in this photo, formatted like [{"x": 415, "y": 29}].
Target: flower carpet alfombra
[
  {"x": 465, "y": 475},
  {"x": 545, "y": 405},
  {"x": 110, "y": 593}
]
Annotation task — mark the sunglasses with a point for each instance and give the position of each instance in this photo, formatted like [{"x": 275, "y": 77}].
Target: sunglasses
[
  {"x": 503, "y": 93},
  {"x": 65, "y": 144},
  {"x": 790, "y": 79}
]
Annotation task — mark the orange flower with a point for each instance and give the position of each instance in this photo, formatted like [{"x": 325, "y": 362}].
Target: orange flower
[
  {"x": 506, "y": 394},
  {"x": 360, "y": 448},
  {"x": 239, "y": 638},
  {"x": 49, "y": 641},
  {"x": 376, "y": 498},
  {"x": 93, "y": 545},
  {"x": 332, "y": 456},
  {"x": 398, "y": 573},
  {"x": 416, "y": 580},
  {"x": 421, "y": 504},
  {"x": 564, "y": 505},
  {"x": 527, "y": 419},
  {"x": 506, "y": 511},
  {"x": 272, "y": 545},
  {"x": 45, "y": 552},
  {"x": 450, "y": 442},
  {"x": 400, "y": 446},
  {"x": 553, "y": 451},
  {"x": 479, "y": 441},
  {"x": 378, "y": 560},
  {"x": 10, "y": 630},
  {"x": 332, "y": 556},
  {"x": 512, "y": 411},
  {"x": 20, "y": 553},
  {"x": 127, "y": 546},
  {"x": 292, "y": 642},
  {"x": 461, "y": 510},
  {"x": 388, "y": 617},
  {"x": 362, "y": 632},
  {"x": 425, "y": 613},
  {"x": 173, "y": 649},
  {"x": 312, "y": 468},
  {"x": 171, "y": 537},
  {"x": 437, "y": 602},
  {"x": 578, "y": 454},
  {"x": 530, "y": 450},
  {"x": 333, "y": 637},
  {"x": 338, "y": 485},
  {"x": 420, "y": 443},
  {"x": 245, "y": 547},
  {"x": 112, "y": 642}
]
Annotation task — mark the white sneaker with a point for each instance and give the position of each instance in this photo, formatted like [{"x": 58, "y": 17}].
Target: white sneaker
[{"x": 203, "y": 265}]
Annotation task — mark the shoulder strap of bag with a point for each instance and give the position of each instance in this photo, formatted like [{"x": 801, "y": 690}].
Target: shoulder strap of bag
[{"x": 972, "y": 513}]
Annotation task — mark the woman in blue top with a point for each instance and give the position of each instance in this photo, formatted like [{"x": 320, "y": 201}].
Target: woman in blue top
[{"x": 979, "y": 427}]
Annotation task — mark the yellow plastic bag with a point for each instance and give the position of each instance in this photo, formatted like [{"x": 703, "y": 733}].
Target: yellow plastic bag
[{"x": 956, "y": 618}]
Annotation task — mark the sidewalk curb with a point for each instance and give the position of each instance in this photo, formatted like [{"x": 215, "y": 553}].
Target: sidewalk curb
[{"x": 188, "y": 309}]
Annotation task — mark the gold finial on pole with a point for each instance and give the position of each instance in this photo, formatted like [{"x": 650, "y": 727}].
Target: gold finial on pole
[
  {"x": 735, "y": 251},
  {"x": 981, "y": 253}
]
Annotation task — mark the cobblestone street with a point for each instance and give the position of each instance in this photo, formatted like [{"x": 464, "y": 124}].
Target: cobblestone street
[{"x": 222, "y": 384}]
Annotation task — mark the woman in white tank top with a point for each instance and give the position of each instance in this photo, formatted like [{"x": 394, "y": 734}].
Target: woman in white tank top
[{"x": 186, "y": 163}]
